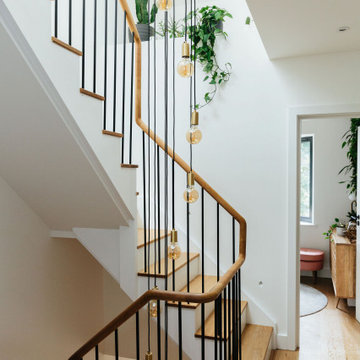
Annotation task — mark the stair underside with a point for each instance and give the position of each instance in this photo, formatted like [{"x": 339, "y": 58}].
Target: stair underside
[
  {"x": 210, "y": 322},
  {"x": 179, "y": 263},
  {"x": 255, "y": 341},
  {"x": 153, "y": 237},
  {"x": 196, "y": 287}
]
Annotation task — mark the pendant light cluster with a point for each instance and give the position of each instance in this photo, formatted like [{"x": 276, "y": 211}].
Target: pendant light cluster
[{"x": 186, "y": 69}]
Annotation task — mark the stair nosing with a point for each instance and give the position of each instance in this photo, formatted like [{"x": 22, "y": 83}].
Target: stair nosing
[
  {"x": 153, "y": 240},
  {"x": 192, "y": 258}
]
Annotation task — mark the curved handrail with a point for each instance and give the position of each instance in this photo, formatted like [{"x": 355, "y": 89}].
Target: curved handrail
[{"x": 167, "y": 295}]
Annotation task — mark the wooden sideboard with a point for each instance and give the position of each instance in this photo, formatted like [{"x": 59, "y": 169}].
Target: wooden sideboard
[{"x": 343, "y": 266}]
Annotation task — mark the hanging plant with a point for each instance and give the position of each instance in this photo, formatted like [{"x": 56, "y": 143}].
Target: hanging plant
[
  {"x": 176, "y": 29},
  {"x": 142, "y": 13},
  {"x": 209, "y": 20},
  {"x": 145, "y": 19},
  {"x": 350, "y": 142}
]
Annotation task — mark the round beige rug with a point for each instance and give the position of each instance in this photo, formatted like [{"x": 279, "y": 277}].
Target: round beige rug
[{"x": 311, "y": 300}]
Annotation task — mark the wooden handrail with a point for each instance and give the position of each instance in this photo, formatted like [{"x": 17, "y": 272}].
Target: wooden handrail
[{"x": 149, "y": 295}]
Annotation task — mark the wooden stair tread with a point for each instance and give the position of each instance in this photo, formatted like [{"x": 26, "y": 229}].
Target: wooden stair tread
[
  {"x": 153, "y": 237},
  {"x": 210, "y": 322},
  {"x": 112, "y": 133},
  {"x": 66, "y": 46},
  {"x": 92, "y": 94},
  {"x": 179, "y": 263},
  {"x": 255, "y": 341},
  {"x": 129, "y": 166},
  {"x": 196, "y": 287}
]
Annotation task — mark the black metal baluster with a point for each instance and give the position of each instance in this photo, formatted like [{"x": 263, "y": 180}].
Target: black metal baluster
[
  {"x": 233, "y": 320},
  {"x": 83, "y": 47},
  {"x": 236, "y": 319},
  {"x": 144, "y": 200},
  {"x": 115, "y": 66},
  {"x": 239, "y": 301},
  {"x": 225, "y": 329},
  {"x": 159, "y": 204},
  {"x": 105, "y": 61},
  {"x": 56, "y": 25},
  {"x": 229, "y": 320},
  {"x": 95, "y": 31},
  {"x": 202, "y": 272},
  {"x": 123, "y": 90},
  {"x": 97, "y": 352},
  {"x": 137, "y": 337},
  {"x": 70, "y": 22},
  {"x": 116, "y": 345},
  {"x": 159, "y": 330},
  {"x": 216, "y": 330},
  {"x": 220, "y": 327},
  {"x": 188, "y": 247},
  {"x": 180, "y": 329},
  {"x": 131, "y": 109}
]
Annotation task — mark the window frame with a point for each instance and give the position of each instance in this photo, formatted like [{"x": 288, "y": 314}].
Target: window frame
[{"x": 310, "y": 219}]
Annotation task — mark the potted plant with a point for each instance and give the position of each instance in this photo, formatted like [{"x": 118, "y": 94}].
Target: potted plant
[
  {"x": 144, "y": 19},
  {"x": 209, "y": 25},
  {"x": 337, "y": 226}
]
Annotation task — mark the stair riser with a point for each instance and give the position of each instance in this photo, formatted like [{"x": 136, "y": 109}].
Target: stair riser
[
  {"x": 141, "y": 252},
  {"x": 191, "y": 344},
  {"x": 180, "y": 278}
]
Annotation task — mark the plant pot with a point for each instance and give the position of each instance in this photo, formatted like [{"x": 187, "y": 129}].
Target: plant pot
[
  {"x": 145, "y": 31},
  {"x": 340, "y": 231},
  {"x": 220, "y": 25}
]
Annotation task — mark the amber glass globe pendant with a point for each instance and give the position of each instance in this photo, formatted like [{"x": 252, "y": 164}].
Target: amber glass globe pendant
[
  {"x": 153, "y": 308},
  {"x": 174, "y": 250},
  {"x": 194, "y": 135},
  {"x": 190, "y": 193},
  {"x": 164, "y": 5},
  {"x": 185, "y": 67}
]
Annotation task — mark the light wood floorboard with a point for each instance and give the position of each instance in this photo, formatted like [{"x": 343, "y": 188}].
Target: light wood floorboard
[{"x": 328, "y": 334}]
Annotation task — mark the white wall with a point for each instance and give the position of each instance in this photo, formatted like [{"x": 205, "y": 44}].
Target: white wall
[
  {"x": 243, "y": 154},
  {"x": 330, "y": 197},
  {"x": 51, "y": 289}
]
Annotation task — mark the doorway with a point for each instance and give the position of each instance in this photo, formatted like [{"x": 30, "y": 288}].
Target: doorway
[{"x": 296, "y": 115}]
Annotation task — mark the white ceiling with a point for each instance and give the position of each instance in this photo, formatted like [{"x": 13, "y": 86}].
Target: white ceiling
[
  {"x": 39, "y": 157},
  {"x": 291, "y": 28}
]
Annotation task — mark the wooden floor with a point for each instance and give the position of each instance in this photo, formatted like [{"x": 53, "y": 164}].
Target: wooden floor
[{"x": 328, "y": 334}]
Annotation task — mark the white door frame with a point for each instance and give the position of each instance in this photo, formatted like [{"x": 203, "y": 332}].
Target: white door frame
[{"x": 295, "y": 115}]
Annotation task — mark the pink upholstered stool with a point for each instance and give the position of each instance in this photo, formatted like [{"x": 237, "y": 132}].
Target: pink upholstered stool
[{"x": 311, "y": 260}]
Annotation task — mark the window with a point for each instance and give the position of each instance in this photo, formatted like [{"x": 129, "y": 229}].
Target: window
[{"x": 306, "y": 180}]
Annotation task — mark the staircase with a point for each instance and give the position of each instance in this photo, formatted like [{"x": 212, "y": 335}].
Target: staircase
[{"x": 199, "y": 306}]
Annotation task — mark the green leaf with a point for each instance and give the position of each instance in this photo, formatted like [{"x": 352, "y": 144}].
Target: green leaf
[{"x": 248, "y": 21}]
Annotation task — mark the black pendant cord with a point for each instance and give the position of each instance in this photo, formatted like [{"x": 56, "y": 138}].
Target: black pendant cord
[
  {"x": 194, "y": 12},
  {"x": 191, "y": 80},
  {"x": 174, "y": 119},
  {"x": 186, "y": 20},
  {"x": 149, "y": 187},
  {"x": 166, "y": 72},
  {"x": 173, "y": 143},
  {"x": 149, "y": 155},
  {"x": 154, "y": 152}
]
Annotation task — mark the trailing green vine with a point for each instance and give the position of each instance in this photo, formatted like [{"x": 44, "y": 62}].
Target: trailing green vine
[
  {"x": 350, "y": 142},
  {"x": 204, "y": 35}
]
